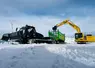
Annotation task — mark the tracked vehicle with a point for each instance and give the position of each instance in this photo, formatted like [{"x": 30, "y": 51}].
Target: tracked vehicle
[{"x": 26, "y": 34}]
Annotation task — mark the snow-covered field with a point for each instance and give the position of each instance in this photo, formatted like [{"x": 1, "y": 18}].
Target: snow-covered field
[{"x": 68, "y": 55}]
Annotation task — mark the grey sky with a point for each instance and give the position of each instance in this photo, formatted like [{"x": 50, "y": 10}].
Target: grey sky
[{"x": 46, "y": 13}]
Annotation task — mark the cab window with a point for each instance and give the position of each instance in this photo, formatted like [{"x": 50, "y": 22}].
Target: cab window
[{"x": 78, "y": 35}]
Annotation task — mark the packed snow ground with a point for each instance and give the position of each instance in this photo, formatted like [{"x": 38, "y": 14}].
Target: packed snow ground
[{"x": 70, "y": 55}]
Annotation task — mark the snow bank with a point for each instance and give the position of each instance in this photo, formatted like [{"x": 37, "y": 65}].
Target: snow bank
[{"x": 84, "y": 54}]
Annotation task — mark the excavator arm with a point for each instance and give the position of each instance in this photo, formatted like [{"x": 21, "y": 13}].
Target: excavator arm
[{"x": 69, "y": 23}]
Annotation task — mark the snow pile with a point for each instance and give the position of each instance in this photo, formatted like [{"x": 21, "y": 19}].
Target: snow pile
[
  {"x": 47, "y": 56},
  {"x": 84, "y": 54},
  {"x": 70, "y": 40}
]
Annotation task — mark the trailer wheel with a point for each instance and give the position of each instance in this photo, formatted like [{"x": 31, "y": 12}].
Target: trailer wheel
[
  {"x": 53, "y": 42},
  {"x": 57, "y": 42}
]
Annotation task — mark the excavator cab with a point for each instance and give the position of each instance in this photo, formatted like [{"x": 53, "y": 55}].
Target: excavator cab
[
  {"x": 80, "y": 38},
  {"x": 78, "y": 35}
]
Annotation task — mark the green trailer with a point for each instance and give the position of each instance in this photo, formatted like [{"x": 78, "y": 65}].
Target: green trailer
[{"x": 57, "y": 36}]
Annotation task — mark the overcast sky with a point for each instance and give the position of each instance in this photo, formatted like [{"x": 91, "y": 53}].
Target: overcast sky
[{"x": 44, "y": 14}]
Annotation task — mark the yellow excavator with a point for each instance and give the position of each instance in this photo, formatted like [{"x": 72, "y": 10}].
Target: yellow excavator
[{"x": 80, "y": 38}]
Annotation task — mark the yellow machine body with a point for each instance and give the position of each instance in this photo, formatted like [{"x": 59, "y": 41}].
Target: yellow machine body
[
  {"x": 84, "y": 38},
  {"x": 79, "y": 36}
]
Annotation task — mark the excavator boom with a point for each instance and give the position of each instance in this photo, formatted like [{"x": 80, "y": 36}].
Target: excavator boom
[{"x": 69, "y": 23}]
